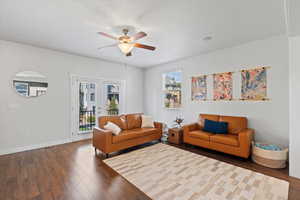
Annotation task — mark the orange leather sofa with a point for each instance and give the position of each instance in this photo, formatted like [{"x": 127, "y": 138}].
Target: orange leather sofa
[
  {"x": 237, "y": 142},
  {"x": 131, "y": 135}
]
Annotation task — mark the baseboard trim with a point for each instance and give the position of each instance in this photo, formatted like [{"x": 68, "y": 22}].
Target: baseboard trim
[
  {"x": 43, "y": 145},
  {"x": 82, "y": 137}
]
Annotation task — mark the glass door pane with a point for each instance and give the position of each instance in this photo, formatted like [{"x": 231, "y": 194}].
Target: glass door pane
[
  {"x": 87, "y": 106},
  {"x": 112, "y": 93}
]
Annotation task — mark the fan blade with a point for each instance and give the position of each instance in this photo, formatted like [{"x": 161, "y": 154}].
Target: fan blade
[
  {"x": 138, "y": 45},
  {"x": 111, "y": 45},
  {"x": 107, "y": 35},
  {"x": 129, "y": 54},
  {"x": 139, "y": 35}
]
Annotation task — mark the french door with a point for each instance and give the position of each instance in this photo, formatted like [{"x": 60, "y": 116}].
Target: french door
[{"x": 92, "y": 98}]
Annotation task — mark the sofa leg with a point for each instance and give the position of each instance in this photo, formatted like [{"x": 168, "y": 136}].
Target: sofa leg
[{"x": 95, "y": 151}]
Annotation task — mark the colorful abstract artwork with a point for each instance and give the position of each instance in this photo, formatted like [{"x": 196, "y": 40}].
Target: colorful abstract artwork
[
  {"x": 254, "y": 84},
  {"x": 199, "y": 88},
  {"x": 222, "y": 86},
  {"x": 172, "y": 89}
]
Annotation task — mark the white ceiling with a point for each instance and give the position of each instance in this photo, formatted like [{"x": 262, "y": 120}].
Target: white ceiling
[{"x": 175, "y": 27}]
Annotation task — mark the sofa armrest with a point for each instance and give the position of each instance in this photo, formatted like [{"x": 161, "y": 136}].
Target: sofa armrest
[
  {"x": 102, "y": 139},
  {"x": 191, "y": 127},
  {"x": 245, "y": 139},
  {"x": 159, "y": 126}
]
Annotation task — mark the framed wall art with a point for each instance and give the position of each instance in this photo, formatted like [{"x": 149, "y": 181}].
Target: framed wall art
[
  {"x": 199, "y": 88},
  {"x": 254, "y": 84},
  {"x": 222, "y": 89}
]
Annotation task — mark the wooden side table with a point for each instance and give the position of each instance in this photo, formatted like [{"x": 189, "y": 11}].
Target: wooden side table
[{"x": 175, "y": 135}]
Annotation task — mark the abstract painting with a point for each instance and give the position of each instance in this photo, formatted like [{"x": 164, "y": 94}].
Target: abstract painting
[
  {"x": 254, "y": 84},
  {"x": 222, "y": 86},
  {"x": 199, "y": 88},
  {"x": 172, "y": 89}
]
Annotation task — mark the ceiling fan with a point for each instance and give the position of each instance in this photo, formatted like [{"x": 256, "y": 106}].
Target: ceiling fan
[{"x": 127, "y": 43}]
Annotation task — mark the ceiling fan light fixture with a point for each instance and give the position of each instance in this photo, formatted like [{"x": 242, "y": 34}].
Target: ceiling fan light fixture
[
  {"x": 126, "y": 43},
  {"x": 126, "y": 47}
]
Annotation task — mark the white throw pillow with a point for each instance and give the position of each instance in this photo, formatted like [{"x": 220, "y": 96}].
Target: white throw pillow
[
  {"x": 147, "y": 122},
  {"x": 115, "y": 129}
]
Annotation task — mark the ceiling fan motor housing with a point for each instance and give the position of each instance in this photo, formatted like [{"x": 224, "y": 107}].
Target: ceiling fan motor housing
[
  {"x": 125, "y": 31},
  {"x": 125, "y": 39}
]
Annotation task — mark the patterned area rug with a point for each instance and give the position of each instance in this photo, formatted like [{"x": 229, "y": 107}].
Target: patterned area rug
[{"x": 165, "y": 172}]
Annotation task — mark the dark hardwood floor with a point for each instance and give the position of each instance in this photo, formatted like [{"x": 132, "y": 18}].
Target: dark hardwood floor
[{"x": 73, "y": 172}]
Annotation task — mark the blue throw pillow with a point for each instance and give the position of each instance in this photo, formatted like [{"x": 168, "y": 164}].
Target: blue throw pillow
[{"x": 215, "y": 127}]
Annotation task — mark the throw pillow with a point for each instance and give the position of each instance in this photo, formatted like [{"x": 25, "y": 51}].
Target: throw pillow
[
  {"x": 215, "y": 127},
  {"x": 201, "y": 122},
  {"x": 147, "y": 122},
  {"x": 115, "y": 129}
]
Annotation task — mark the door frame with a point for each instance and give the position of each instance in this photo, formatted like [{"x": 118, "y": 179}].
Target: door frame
[{"x": 74, "y": 101}]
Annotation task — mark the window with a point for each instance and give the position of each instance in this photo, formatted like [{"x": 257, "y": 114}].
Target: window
[
  {"x": 92, "y": 96},
  {"x": 92, "y": 86},
  {"x": 172, "y": 89}
]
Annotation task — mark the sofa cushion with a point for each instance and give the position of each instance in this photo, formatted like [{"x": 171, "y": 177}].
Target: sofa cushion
[
  {"x": 120, "y": 121},
  {"x": 235, "y": 124},
  {"x": 134, "y": 121},
  {"x": 201, "y": 134},
  {"x": 203, "y": 117},
  {"x": 133, "y": 133},
  {"x": 228, "y": 139}
]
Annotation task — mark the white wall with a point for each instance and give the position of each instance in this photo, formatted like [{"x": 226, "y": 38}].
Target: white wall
[
  {"x": 270, "y": 119},
  {"x": 34, "y": 122},
  {"x": 295, "y": 106}
]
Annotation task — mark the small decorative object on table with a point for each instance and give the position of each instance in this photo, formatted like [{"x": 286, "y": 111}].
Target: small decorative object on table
[
  {"x": 178, "y": 122},
  {"x": 269, "y": 155},
  {"x": 175, "y": 135}
]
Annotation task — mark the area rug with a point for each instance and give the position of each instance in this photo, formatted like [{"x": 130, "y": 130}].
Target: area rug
[{"x": 164, "y": 172}]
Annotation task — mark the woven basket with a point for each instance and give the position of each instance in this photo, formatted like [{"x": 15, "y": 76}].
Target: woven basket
[{"x": 268, "y": 158}]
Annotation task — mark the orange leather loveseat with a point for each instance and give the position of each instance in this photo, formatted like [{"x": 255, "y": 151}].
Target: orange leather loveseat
[
  {"x": 237, "y": 142},
  {"x": 131, "y": 135}
]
